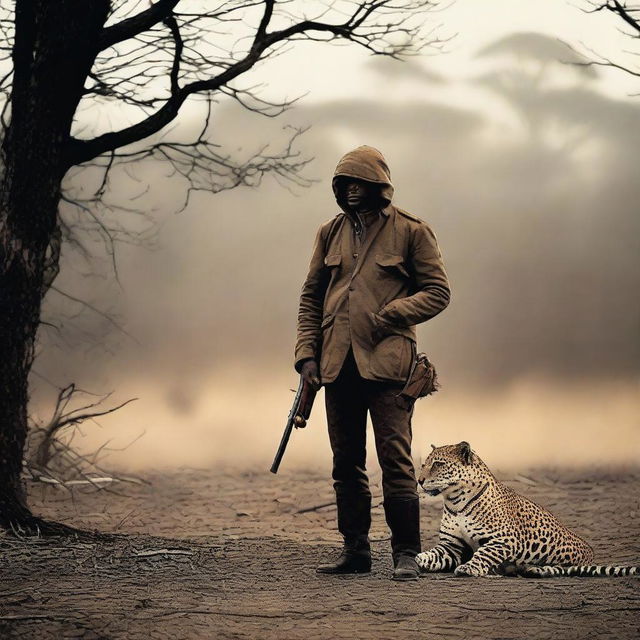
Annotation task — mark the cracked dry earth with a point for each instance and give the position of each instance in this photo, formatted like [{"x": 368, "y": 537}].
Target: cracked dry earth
[{"x": 201, "y": 554}]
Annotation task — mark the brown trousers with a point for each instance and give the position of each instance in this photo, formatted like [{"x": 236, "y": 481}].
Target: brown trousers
[{"x": 348, "y": 399}]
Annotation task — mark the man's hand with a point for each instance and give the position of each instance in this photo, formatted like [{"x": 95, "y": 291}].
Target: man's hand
[
  {"x": 310, "y": 373},
  {"x": 381, "y": 328}
]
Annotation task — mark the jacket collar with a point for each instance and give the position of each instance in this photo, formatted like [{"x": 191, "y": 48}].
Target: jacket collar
[{"x": 386, "y": 212}]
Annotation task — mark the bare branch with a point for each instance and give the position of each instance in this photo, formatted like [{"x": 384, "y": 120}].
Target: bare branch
[
  {"x": 95, "y": 310},
  {"x": 383, "y": 27},
  {"x": 626, "y": 13},
  {"x": 62, "y": 418},
  {"x": 606, "y": 62},
  {"x": 172, "y": 24},
  {"x": 630, "y": 16},
  {"x": 137, "y": 24},
  {"x": 266, "y": 18}
]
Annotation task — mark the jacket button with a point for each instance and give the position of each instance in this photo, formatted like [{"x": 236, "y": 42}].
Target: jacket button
[{"x": 355, "y": 255}]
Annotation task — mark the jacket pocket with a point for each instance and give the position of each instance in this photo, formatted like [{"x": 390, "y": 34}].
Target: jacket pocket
[
  {"x": 333, "y": 260},
  {"x": 391, "y": 358},
  {"x": 392, "y": 263},
  {"x": 382, "y": 327}
]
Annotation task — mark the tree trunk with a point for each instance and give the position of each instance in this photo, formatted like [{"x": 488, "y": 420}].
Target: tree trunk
[{"x": 53, "y": 52}]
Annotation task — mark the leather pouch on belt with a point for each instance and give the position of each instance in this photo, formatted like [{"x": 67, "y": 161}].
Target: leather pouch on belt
[{"x": 422, "y": 381}]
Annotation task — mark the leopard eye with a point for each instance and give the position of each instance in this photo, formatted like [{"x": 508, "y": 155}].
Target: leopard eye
[{"x": 436, "y": 465}]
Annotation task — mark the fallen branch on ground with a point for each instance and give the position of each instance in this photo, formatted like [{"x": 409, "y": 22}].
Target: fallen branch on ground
[{"x": 163, "y": 552}]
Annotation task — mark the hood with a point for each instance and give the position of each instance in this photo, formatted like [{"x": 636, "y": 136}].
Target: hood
[{"x": 365, "y": 163}]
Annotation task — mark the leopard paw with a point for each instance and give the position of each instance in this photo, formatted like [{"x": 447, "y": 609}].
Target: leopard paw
[
  {"x": 423, "y": 561},
  {"x": 466, "y": 571}
]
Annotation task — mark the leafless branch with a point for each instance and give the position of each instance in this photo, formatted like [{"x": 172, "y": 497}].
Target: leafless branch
[
  {"x": 52, "y": 458},
  {"x": 94, "y": 309},
  {"x": 136, "y": 24},
  {"x": 629, "y": 15},
  {"x": 383, "y": 27}
]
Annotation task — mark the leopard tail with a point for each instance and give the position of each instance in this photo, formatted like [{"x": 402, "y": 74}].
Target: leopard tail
[{"x": 577, "y": 571}]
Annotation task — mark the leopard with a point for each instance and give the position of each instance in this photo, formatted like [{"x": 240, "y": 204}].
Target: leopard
[{"x": 488, "y": 529}]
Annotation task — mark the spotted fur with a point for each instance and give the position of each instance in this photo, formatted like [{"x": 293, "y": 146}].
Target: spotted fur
[{"x": 487, "y": 527}]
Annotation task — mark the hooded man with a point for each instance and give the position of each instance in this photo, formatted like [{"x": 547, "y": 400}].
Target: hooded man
[{"x": 376, "y": 272}]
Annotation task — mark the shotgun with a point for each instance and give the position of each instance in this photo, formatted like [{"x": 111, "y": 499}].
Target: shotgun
[{"x": 298, "y": 416}]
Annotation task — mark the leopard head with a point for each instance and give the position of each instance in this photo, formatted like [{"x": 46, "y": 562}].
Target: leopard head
[{"x": 450, "y": 468}]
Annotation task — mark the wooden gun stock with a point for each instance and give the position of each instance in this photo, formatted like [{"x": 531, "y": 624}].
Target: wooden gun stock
[{"x": 298, "y": 416}]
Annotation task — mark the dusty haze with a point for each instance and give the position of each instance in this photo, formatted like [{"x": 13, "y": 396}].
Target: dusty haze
[{"x": 531, "y": 185}]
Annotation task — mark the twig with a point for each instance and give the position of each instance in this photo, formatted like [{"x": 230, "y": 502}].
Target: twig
[
  {"x": 316, "y": 507},
  {"x": 34, "y": 616},
  {"x": 163, "y": 552}
]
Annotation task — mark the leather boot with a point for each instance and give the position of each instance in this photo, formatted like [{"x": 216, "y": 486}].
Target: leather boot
[
  {"x": 349, "y": 561},
  {"x": 403, "y": 518},
  {"x": 354, "y": 521}
]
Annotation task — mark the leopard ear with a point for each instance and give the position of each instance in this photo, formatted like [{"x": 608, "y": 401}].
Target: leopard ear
[
  {"x": 465, "y": 451},
  {"x": 433, "y": 446}
]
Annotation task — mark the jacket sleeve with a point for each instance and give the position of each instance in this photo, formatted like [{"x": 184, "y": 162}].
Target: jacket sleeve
[
  {"x": 311, "y": 305},
  {"x": 432, "y": 285}
]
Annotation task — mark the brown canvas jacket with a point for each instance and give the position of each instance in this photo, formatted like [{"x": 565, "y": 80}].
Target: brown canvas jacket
[{"x": 369, "y": 295}]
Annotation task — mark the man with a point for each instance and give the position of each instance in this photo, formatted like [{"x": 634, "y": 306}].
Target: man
[{"x": 376, "y": 272}]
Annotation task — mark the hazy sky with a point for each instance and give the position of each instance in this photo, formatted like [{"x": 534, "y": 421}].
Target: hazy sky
[{"x": 326, "y": 72}]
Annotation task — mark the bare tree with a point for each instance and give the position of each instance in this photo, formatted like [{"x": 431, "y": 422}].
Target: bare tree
[
  {"x": 138, "y": 63},
  {"x": 629, "y": 20}
]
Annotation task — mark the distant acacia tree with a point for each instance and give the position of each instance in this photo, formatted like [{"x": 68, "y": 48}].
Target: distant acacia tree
[{"x": 141, "y": 62}]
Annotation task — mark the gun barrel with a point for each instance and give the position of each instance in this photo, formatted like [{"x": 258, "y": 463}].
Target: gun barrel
[
  {"x": 282, "y": 447},
  {"x": 298, "y": 417}
]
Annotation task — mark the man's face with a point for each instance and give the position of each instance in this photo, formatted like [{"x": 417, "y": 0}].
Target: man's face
[{"x": 358, "y": 194}]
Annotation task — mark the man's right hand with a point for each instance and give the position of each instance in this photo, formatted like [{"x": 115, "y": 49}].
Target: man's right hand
[{"x": 309, "y": 372}]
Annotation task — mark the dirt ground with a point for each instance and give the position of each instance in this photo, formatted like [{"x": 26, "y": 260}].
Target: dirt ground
[{"x": 203, "y": 554}]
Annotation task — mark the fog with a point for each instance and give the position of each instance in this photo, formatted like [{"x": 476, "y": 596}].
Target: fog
[{"x": 532, "y": 192}]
